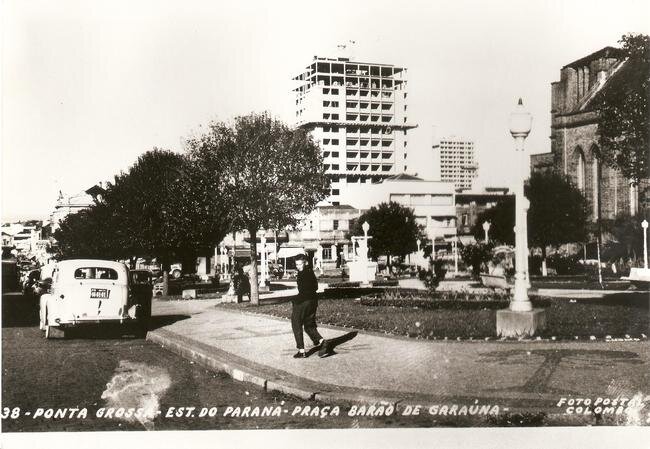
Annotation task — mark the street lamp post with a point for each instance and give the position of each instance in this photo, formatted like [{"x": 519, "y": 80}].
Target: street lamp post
[
  {"x": 486, "y": 230},
  {"x": 433, "y": 242},
  {"x": 520, "y": 124},
  {"x": 264, "y": 268},
  {"x": 520, "y": 319},
  {"x": 455, "y": 256},
  {"x": 644, "y": 225}
]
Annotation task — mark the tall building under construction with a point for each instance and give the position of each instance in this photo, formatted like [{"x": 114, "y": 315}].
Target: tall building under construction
[{"x": 358, "y": 114}]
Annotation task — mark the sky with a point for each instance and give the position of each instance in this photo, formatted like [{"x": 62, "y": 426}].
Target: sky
[{"x": 88, "y": 86}]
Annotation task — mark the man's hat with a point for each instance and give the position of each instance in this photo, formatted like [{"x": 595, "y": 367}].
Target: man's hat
[{"x": 301, "y": 257}]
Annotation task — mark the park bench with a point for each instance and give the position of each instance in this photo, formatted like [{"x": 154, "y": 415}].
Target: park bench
[{"x": 495, "y": 281}]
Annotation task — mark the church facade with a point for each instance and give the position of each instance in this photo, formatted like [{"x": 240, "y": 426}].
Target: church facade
[{"x": 575, "y": 150}]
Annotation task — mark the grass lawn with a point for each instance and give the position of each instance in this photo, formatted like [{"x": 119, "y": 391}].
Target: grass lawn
[{"x": 616, "y": 315}]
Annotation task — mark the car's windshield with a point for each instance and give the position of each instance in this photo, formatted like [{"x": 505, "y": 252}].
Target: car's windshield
[{"x": 95, "y": 273}]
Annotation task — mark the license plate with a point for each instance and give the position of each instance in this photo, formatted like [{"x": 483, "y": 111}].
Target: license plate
[{"x": 100, "y": 293}]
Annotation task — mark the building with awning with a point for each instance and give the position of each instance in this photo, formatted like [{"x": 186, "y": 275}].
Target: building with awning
[{"x": 293, "y": 251}]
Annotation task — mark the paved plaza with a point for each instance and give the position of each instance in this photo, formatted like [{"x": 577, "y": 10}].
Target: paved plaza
[{"x": 516, "y": 375}]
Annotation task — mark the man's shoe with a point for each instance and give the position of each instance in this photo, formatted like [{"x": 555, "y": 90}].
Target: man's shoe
[
  {"x": 325, "y": 349},
  {"x": 300, "y": 355}
]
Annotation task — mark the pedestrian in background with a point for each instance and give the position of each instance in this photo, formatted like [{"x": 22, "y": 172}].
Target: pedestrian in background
[
  {"x": 242, "y": 284},
  {"x": 303, "y": 314}
]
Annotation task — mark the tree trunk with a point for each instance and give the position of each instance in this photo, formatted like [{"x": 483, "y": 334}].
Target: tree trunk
[
  {"x": 255, "y": 293},
  {"x": 165, "y": 274},
  {"x": 544, "y": 270},
  {"x": 132, "y": 262}
]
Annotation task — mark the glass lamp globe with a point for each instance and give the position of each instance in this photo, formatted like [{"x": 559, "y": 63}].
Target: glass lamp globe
[{"x": 520, "y": 121}]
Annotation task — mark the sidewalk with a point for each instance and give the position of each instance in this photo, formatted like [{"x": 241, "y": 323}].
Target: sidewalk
[{"x": 371, "y": 367}]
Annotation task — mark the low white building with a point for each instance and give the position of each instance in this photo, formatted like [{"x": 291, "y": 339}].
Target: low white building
[
  {"x": 433, "y": 202},
  {"x": 23, "y": 237}
]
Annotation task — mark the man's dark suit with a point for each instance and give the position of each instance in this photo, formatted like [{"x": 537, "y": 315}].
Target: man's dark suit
[{"x": 304, "y": 308}]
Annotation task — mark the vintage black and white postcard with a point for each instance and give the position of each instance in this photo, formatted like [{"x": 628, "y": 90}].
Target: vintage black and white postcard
[{"x": 372, "y": 223}]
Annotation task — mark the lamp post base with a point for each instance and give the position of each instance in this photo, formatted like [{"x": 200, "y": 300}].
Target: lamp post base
[{"x": 515, "y": 323}]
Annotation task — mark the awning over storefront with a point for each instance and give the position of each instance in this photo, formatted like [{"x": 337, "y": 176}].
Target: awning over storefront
[
  {"x": 466, "y": 239},
  {"x": 290, "y": 252}
]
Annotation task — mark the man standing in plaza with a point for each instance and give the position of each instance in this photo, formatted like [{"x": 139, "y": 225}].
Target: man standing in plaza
[{"x": 303, "y": 314}]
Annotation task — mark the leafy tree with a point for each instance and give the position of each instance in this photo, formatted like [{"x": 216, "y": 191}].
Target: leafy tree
[
  {"x": 476, "y": 255},
  {"x": 163, "y": 210},
  {"x": 266, "y": 173},
  {"x": 557, "y": 214},
  {"x": 624, "y": 119},
  {"x": 87, "y": 234},
  {"x": 393, "y": 228},
  {"x": 628, "y": 237},
  {"x": 158, "y": 208}
]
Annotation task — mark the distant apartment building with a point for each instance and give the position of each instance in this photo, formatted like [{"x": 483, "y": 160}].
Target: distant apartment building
[
  {"x": 457, "y": 162},
  {"x": 358, "y": 114}
]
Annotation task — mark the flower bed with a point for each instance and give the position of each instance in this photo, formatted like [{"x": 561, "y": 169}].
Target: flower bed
[
  {"x": 376, "y": 283},
  {"x": 461, "y": 315}
]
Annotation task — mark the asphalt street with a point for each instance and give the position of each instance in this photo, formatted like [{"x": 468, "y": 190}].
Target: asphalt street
[{"x": 46, "y": 385}]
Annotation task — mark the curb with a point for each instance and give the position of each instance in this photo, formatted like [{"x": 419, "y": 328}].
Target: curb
[
  {"x": 174, "y": 343},
  {"x": 223, "y": 362},
  {"x": 167, "y": 340}
]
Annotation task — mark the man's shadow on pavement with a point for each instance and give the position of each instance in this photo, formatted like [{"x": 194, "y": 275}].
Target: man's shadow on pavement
[{"x": 333, "y": 343}]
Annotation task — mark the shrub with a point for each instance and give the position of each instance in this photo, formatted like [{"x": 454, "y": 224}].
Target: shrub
[
  {"x": 476, "y": 254},
  {"x": 452, "y": 300},
  {"x": 565, "y": 264},
  {"x": 432, "y": 279}
]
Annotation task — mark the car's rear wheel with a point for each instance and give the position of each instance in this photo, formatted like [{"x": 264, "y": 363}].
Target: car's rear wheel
[{"x": 51, "y": 332}]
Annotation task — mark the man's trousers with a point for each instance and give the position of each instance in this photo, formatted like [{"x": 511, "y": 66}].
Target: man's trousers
[{"x": 303, "y": 315}]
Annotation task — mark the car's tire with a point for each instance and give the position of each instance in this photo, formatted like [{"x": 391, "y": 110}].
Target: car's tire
[
  {"x": 41, "y": 323},
  {"x": 52, "y": 332},
  {"x": 176, "y": 274}
]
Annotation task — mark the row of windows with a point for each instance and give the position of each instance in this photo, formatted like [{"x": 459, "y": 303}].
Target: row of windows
[
  {"x": 418, "y": 199},
  {"x": 373, "y": 143},
  {"x": 362, "y": 167},
  {"x": 451, "y": 142},
  {"x": 373, "y": 117},
  {"x": 435, "y": 222},
  {"x": 331, "y": 225},
  {"x": 364, "y": 155},
  {"x": 362, "y": 129}
]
